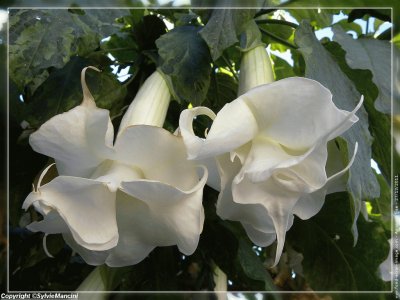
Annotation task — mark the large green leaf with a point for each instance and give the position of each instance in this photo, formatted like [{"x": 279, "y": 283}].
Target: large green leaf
[
  {"x": 379, "y": 123},
  {"x": 321, "y": 66},
  {"x": 373, "y": 55},
  {"x": 186, "y": 60},
  {"x": 224, "y": 26},
  {"x": 40, "y": 39},
  {"x": 330, "y": 260}
]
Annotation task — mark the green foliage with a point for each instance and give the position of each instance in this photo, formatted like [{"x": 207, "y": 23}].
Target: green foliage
[
  {"x": 379, "y": 124},
  {"x": 362, "y": 182},
  {"x": 223, "y": 28},
  {"x": 282, "y": 69},
  {"x": 369, "y": 54},
  {"x": 40, "y": 39},
  {"x": 327, "y": 238},
  {"x": 182, "y": 51},
  {"x": 317, "y": 18},
  {"x": 381, "y": 210},
  {"x": 223, "y": 89}
]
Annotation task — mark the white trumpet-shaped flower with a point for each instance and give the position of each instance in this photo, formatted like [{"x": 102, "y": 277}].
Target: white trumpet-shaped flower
[
  {"x": 270, "y": 145},
  {"x": 116, "y": 202}
]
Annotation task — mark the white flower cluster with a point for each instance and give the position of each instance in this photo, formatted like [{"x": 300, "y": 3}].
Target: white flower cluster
[{"x": 266, "y": 153}]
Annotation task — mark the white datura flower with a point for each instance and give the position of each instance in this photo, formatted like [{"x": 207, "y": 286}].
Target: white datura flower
[
  {"x": 115, "y": 202},
  {"x": 270, "y": 147}
]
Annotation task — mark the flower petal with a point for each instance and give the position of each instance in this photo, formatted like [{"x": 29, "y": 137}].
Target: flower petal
[
  {"x": 310, "y": 204},
  {"x": 76, "y": 139},
  {"x": 306, "y": 176},
  {"x": 213, "y": 179},
  {"x": 260, "y": 238},
  {"x": 113, "y": 173},
  {"x": 335, "y": 182},
  {"x": 176, "y": 215},
  {"x": 160, "y": 155},
  {"x": 277, "y": 201},
  {"x": 233, "y": 127},
  {"x": 136, "y": 231},
  {"x": 86, "y": 206},
  {"x": 193, "y": 143},
  {"x": 52, "y": 223},
  {"x": 280, "y": 107},
  {"x": 254, "y": 217},
  {"x": 91, "y": 257}
]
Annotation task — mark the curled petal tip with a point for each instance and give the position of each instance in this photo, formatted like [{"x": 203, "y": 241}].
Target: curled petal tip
[
  {"x": 88, "y": 99},
  {"x": 360, "y": 103},
  {"x": 45, "y": 247},
  {"x": 91, "y": 67},
  {"x": 362, "y": 99},
  {"x": 42, "y": 176}
]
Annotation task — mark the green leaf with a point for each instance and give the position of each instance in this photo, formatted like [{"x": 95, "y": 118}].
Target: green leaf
[
  {"x": 122, "y": 46},
  {"x": 379, "y": 14},
  {"x": 40, "y": 39},
  {"x": 284, "y": 33},
  {"x": 319, "y": 18},
  {"x": 339, "y": 4},
  {"x": 223, "y": 89},
  {"x": 370, "y": 54},
  {"x": 350, "y": 26},
  {"x": 362, "y": 182},
  {"x": 252, "y": 265},
  {"x": 331, "y": 263},
  {"x": 62, "y": 91},
  {"x": 379, "y": 123},
  {"x": 282, "y": 69},
  {"x": 382, "y": 206},
  {"x": 147, "y": 31},
  {"x": 186, "y": 60},
  {"x": 224, "y": 26}
]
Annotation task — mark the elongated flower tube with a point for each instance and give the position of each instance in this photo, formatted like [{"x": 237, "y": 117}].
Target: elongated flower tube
[
  {"x": 270, "y": 145},
  {"x": 255, "y": 69},
  {"x": 114, "y": 203}
]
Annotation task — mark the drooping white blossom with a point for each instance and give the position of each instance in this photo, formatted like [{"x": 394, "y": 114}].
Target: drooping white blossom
[
  {"x": 270, "y": 145},
  {"x": 115, "y": 202}
]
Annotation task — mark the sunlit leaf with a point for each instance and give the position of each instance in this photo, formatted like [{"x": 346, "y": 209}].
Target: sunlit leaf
[
  {"x": 373, "y": 55},
  {"x": 362, "y": 182}
]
